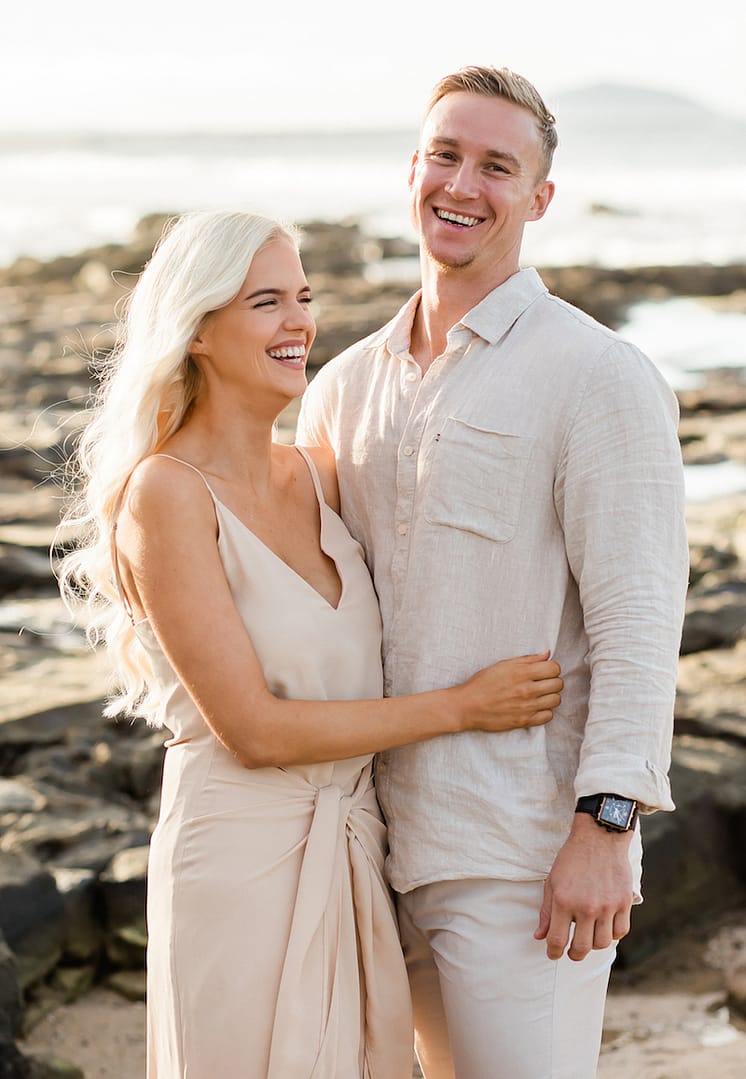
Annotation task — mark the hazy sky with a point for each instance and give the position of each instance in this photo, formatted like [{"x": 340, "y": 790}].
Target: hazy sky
[{"x": 269, "y": 64}]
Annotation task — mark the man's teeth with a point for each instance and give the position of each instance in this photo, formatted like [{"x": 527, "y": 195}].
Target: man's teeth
[
  {"x": 457, "y": 219},
  {"x": 296, "y": 353}
]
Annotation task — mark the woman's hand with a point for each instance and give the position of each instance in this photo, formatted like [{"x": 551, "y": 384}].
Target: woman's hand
[{"x": 520, "y": 692}]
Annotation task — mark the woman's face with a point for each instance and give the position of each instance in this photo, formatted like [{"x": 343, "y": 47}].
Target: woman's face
[{"x": 260, "y": 340}]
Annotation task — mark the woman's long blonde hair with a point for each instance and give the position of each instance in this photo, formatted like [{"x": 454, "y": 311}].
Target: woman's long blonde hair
[{"x": 146, "y": 388}]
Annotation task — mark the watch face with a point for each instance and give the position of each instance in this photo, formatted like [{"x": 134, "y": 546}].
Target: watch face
[{"x": 616, "y": 811}]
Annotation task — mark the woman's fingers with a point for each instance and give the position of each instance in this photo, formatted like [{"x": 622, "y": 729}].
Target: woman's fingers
[
  {"x": 540, "y": 668},
  {"x": 548, "y": 685}
]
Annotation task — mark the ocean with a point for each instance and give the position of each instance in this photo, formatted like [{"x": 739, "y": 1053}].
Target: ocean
[{"x": 642, "y": 178}]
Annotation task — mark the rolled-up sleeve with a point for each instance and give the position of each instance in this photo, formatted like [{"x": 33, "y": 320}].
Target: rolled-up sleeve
[{"x": 620, "y": 497}]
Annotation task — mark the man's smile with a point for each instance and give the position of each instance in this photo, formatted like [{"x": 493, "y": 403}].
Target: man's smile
[{"x": 458, "y": 219}]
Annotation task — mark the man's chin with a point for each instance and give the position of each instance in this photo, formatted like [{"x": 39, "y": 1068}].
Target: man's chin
[{"x": 447, "y": 260}]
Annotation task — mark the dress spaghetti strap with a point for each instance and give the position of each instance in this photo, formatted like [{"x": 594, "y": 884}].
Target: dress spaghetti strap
[
  {"x": 194, "y": 468},
  {"x": 316, "y": 479}
]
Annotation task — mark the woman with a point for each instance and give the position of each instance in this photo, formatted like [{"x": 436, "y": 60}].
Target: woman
[{"x": 240, "y": 615}]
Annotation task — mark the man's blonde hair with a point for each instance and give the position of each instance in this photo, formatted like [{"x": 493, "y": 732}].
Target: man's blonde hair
[{"x": 501, "y": 82}]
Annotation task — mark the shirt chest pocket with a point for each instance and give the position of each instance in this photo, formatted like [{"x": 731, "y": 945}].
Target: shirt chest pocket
[{"x": 477, "y": 480}]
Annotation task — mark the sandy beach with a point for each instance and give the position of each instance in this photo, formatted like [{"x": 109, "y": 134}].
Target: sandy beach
[{"x": 669, "y": 1019}]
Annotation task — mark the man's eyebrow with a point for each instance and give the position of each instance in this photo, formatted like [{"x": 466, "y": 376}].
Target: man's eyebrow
[{"x": 497, "y": 155}]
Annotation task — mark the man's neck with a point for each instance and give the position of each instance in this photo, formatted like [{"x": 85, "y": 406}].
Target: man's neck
[{"x": 447, "y": 295}]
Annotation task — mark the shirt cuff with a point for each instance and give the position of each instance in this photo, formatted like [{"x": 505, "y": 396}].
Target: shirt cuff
[{"x": 628, "y": 776}]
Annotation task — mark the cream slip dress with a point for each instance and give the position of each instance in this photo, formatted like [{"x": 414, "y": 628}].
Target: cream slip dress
[{"x": 273, "y": 951}]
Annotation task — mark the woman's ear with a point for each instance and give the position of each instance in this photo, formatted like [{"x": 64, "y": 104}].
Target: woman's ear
[{"x": 198, "y": 346}]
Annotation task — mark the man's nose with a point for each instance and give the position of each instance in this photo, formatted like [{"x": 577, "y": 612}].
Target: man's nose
[{"x": 464, "y": 182}]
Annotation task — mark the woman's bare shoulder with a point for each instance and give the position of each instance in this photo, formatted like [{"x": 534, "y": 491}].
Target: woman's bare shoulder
[{"x": 162, "y": 485}]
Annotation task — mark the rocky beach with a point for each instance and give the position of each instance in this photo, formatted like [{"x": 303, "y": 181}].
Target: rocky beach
[{"x": 79, "y": 794}]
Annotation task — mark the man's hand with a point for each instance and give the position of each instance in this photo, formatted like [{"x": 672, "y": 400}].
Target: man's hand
[{"x": 589, "y": 884}]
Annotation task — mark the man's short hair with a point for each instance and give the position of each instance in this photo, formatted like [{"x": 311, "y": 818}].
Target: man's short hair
[{"x": 501, "y": 82}]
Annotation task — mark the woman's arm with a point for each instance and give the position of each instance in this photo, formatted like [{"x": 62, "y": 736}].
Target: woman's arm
[{"x": 172, "y": 572}]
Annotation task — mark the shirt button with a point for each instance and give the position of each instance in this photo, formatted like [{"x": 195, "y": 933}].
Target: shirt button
[
  {"x": 411, "y": 377},
  {"x": 408, "y": 451},
  {"x": 402, "y": 530}
]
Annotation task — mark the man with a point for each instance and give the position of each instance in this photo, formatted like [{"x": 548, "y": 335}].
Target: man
[{"x": 513, "y": 472}]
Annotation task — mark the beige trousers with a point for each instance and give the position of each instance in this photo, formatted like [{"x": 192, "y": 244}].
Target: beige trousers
[{"x": 488, "y": 1004}]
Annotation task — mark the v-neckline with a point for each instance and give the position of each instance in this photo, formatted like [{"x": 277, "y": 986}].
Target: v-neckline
[{"x": 322, "y": 507}]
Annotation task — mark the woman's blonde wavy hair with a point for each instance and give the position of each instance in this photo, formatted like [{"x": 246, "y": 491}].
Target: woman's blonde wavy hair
[{"x": 146, "y": 388}]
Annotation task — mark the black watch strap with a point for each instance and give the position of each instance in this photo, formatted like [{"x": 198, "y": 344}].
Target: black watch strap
[{"x": 613, "y": 812}]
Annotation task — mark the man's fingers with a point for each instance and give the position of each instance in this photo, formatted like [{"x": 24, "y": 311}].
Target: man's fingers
[
  {"x": 558, "y": 933},
  {"x": 598, "y": 933},
  {"x": 582, "y": 939},
  {"x": 545, "y": 913},
  {"x": 603, "y": 933},
  {"x": 620, "y": 926}
]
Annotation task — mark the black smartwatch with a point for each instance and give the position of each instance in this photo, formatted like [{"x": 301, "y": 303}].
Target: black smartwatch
[{"x": 610, "y": 811}]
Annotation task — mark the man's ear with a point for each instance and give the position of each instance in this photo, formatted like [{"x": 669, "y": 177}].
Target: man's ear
[
  {"x": 542, "y": 197},
  {"x": 413, "y": 166}
]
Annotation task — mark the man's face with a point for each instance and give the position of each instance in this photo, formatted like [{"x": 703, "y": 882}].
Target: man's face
[{"x": 475, "y": 182}]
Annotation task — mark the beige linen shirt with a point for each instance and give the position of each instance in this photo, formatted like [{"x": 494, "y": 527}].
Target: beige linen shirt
[{"x": 525, "y": 494}]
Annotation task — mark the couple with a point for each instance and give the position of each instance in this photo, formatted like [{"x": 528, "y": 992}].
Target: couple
[{"x": 509, "y": 471}]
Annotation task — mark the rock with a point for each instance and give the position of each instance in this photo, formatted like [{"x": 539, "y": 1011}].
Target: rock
[
  {"x": 21, "y": 567},
  {"x": 83, "y": 937},
  {"x": 715, "y": 613},
  {"x": 12, "y": 1064},
  {"x": 130, "y": 984},
  {"x": 11, "y": 1004},
  {"x": 122, "y": 889},
  {"x": 48, "y": 1066},
  {"x": 711, "y": 693},
  {"x": 72, "y": 982},
  {"x": 31, "y": 915},
  {"x": 735, "y": 983},
  {"x": 695, "y": 858},
  {"x": 724, "y": 391}
]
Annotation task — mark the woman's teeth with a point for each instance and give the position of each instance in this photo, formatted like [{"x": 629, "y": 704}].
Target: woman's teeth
[{"x": 295, "y": 355}]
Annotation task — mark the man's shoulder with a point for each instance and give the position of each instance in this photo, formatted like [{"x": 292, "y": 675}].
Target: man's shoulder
[
  {"x": 579, "y": 337},
  {"x": 356, "y": 359},
  {"x": 577, "y": 325},
  {"x": 365, "y": 347}
]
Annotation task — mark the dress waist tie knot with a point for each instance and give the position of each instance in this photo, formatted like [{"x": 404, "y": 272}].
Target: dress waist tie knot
[{"x": 342, "y": 898}]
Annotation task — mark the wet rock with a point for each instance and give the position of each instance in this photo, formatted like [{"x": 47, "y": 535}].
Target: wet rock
[
  {"x": 31, "y": 915},
  {"x": 11, "y": 1004}
]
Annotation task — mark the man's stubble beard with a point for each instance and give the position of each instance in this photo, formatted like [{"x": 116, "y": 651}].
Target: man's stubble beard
[{"x": 451, "y": 265}]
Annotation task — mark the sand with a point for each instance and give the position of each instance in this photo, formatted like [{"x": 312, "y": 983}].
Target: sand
[{"x": 652, "y": 1031}]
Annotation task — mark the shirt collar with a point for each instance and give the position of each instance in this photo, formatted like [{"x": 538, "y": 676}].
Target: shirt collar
[
  {"x": 495, "y": 314},
  {"x": 490, "y": 319},
  {"x": 399, "y": 330}
]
